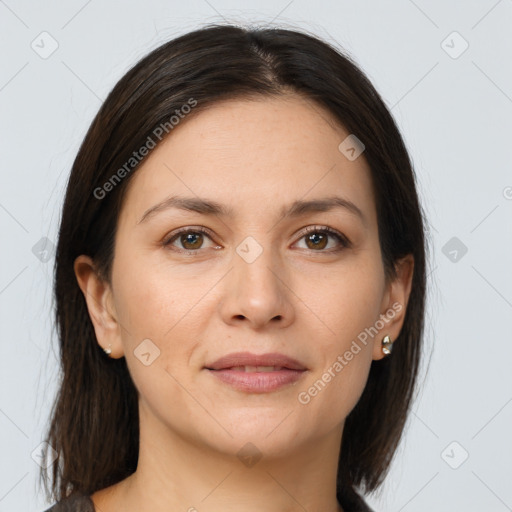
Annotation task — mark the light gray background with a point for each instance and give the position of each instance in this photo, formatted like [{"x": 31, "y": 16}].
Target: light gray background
[{"x": 455, "y": 113}]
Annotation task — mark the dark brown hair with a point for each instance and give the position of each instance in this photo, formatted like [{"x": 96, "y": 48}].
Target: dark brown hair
[{"x": 94, "y": 421}]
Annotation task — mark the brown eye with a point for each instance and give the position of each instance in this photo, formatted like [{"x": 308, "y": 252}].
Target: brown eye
[
  {"x": 317, "y": 239},
  {"x": 191, "y": 240}
]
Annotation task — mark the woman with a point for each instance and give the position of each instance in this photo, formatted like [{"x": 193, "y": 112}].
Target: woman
[{"x": 239, "y": 282}]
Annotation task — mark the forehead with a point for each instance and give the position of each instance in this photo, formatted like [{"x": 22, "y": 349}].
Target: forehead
[{"x": 252, "y": 155}]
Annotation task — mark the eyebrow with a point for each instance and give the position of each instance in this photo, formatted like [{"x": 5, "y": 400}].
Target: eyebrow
[{"x": 213, "y": 208}]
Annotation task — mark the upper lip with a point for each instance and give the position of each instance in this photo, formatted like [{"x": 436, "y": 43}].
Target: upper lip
[{"x": 247, "y": 359}]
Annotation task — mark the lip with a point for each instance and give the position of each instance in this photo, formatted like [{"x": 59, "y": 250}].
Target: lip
[
  {"x": 227, "y": 370},
  {"x": 248, "y": 359}
]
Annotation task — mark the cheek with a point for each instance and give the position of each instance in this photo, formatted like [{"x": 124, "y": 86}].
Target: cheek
[
  {"x": 151, "y": 306},
  {"x": 347, "y": 386},
  {"x": 147, "y": 304},
  {"x": 348, "y": 308},
  {"x": 346, "y": 303},
  {"x": 335, "y": 387}
]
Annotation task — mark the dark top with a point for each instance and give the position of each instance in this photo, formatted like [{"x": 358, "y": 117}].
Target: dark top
[{"x": 78, "y": 502}]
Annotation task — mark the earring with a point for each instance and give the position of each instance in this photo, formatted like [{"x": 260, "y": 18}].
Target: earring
[
  {"x": 387, "y": 345},
  {"x": 108, "y": 350}
]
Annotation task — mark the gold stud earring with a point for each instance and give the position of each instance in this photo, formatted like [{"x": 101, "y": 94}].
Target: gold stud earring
[
  {"x": 108, "y": 350},
  {"x": 387, "y": 345}
]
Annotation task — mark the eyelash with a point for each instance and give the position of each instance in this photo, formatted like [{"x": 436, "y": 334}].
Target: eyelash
[{"x": 343, "y": 240}]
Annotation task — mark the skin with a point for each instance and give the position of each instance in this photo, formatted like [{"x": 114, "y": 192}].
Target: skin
[{"x": 309, "y": 303}]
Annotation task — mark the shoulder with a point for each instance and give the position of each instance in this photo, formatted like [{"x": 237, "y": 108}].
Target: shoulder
[{"x": 75, "y": 503}]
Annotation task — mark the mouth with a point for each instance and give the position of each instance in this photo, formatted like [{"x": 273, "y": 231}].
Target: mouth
[
  {"x": 253, "y": 369},
  {"x": 256, "y": 362},
  {"x": 254, "y": 373}
]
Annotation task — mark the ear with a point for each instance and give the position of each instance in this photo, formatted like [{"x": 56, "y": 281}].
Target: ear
[
  {"x": 394, "y": 304},
  {"x": 100, "y": 305}
]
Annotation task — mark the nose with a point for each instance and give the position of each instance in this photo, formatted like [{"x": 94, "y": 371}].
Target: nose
[{"x": 256, "y": 290}]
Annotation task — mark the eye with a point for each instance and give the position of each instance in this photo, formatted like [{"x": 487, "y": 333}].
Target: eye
[
  {"x": 316, "y": 238},
  {"x": 191, "y": 239}
]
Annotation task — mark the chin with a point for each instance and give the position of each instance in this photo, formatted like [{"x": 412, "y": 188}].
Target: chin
[{"x": 271, "y": 429}]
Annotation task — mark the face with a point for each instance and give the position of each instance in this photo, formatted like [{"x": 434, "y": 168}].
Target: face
[{"x": 249, "y": 273}]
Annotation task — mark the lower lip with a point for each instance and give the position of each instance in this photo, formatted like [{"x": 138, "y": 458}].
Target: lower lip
[{"x": 257, "y": 382}]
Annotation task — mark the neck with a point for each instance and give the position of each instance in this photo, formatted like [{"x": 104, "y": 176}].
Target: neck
[{"x": 175, "y": 472}]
